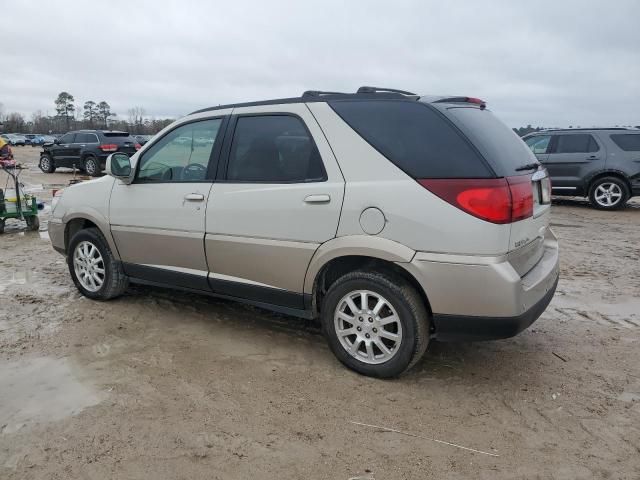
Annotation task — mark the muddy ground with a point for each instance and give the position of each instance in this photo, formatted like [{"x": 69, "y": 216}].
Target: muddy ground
[{"x": 161, "y": 384}]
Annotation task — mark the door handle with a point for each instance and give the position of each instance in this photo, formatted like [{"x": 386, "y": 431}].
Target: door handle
[
  {"x": 592, "y": 157},
  {"x": 194, "y": 197},
  {"x": 321, "y": 198}
]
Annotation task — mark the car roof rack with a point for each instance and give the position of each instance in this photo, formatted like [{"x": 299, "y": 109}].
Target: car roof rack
[
  {"x": 366, "y": 89},
  {"x": 578, "y": 129},
  {"x": 323, "y": 96}
]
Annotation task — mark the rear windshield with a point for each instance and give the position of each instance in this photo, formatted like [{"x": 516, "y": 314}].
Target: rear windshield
[
  {"x": 415, "y": 137},
  {"x": 500, "y": 145},
  {"x": 115, "y": 134},
  {"x": 627, "y": 142}
]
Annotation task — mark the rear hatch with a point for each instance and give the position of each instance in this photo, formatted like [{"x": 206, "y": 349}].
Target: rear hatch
[
  {"x": 125, "y": 143},
  {"x": 511, "y": 159}
]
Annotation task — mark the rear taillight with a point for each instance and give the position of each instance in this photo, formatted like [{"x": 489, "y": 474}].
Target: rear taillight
[
  {"x": 109, "y": 147},
  {"x": 545, "y": 190},
  {"x": 138, "y": 146},
  {"x": 496, "y": 200}
]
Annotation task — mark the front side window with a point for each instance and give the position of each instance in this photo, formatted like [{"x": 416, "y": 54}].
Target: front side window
[
  {"x": 576, "y": 143},
  {"x": 182, "y": 155},
  {"x": 627, "y": 142},
  {"x": 68, "y": 138},
  {"x": 539, "y": 143},
  {"x": 273, "y": 149}
]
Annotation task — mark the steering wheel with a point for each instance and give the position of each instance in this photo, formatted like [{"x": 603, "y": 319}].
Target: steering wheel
[{"x": 194, "y": 171}]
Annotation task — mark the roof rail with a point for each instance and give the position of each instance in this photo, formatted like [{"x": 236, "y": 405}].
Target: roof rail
[
  {"x": 381, "y": 89},
  {"x": 584, "y": 128},
  {"x": 319, "y": 93}
]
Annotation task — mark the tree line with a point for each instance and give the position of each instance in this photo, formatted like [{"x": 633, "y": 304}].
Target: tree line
[{"x": 92, "y": 115}]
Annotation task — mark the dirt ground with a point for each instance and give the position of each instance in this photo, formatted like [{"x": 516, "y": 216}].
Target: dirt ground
[{"x": 161, "y": 384}]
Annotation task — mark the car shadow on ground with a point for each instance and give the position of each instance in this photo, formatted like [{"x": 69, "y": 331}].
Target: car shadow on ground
[{"x": 500, "y": 360}]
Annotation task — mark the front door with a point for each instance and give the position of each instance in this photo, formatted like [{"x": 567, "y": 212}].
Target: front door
[
  {"x": 277, "y": 198},
  {"x": 61, "y": 150},
  {"x": 158, "y": 221}
]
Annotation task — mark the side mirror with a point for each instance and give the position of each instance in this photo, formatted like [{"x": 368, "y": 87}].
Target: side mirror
[
  {"x": 119, "y": 166},
  {"x": 56, "y": 141}
]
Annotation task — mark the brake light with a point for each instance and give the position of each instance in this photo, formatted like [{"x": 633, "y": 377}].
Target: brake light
[
  {"x": 496, "y": 200},
  {"x": 138, "y": 146},
  {"x": 109, "y": 147}
]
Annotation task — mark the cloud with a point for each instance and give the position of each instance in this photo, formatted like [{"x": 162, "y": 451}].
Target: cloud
[{"x": 544, "y": 63}]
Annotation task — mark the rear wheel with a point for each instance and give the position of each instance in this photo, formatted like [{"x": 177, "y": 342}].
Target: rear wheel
[
  {"x": 94, "y": 269},
  {"x": 33, "y": 223},
  {"x": 46, "y": 164},
  {"x": 375, "y": 324},
  {"x": 609, "y": 193},
  {"x": 92, "y": 167}
]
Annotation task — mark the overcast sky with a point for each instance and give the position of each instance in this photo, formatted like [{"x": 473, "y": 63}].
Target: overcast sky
[{"x": 556, "y": 63}]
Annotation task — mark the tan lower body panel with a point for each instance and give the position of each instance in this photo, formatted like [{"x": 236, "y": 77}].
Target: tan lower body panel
[
  {"x": 271, "y": 263},
  {"x": 160, "y": 248}
]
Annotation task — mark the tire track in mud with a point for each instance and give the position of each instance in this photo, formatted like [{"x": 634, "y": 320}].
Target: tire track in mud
[{"x": 572, "y": 313}]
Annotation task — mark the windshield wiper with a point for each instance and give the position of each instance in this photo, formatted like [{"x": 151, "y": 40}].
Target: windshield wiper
[{"x": 528, "y": 166}]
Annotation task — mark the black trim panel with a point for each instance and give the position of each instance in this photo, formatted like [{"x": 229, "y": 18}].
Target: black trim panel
[
  {"x": 453, "y": 328},
  {"x": 167, "y": 277},
  {"x": 257, "y": 293}
]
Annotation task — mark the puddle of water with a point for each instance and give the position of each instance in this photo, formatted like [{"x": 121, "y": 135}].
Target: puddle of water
[
  {"x": 40, "y": 390},
  {"x": 21, "y": 277}
]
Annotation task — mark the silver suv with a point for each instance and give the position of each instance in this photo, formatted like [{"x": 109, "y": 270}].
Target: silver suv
[
  {"x": 600, "y": 163},
  {"x": 393, "y": 218}
]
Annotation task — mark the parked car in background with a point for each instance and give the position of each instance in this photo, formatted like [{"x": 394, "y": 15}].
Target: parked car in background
[
  {"x": 142, "y": 139},
  {"x": 602, "y": 164},
  {"x": 394, "y": 218},
  {"x": 28, "y": 137},
  {"x": 16, "y": 139},
  {"x": 85, "y": 150}
]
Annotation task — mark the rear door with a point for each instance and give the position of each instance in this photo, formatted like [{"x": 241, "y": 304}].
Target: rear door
[
  {"x": 277, "y": 198},
  {"x": 572, "y": 158},
  {"x": 158, "y": 220}
]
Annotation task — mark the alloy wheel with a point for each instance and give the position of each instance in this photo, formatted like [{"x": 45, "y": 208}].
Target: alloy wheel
[
  {"x": 608, "y": 194},
  {"x": 368, "y": 326},
  {"x": 89, "y": 266}
]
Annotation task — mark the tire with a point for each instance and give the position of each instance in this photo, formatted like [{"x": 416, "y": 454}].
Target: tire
[
  {"x": 46, "y": 164},
  {"x": 33, "y": 223},
  {"x": 355, "y": 349},
  {"x": 91, "y": 166},
  {"x": 84, "y": 245},
  {"x": 609, "y": 193},
  {"x": 2, "y": 222}
]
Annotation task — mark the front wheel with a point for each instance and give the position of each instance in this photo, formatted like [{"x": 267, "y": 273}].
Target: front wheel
[
  {"x": 46, "y": 164},
  {"x": 94, "y": 269},
  {"x": 609, "y": 193},
  {"x": 375, "y": 324},
  {"x": 33, "y": 223}
]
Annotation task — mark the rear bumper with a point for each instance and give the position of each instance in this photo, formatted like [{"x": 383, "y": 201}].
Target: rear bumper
[{"x": 482, "y": 298}]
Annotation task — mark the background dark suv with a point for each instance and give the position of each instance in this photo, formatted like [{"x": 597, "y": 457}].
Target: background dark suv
[
  {"x": 602, "y": 164},
  {"x": 86, "y": 150}
]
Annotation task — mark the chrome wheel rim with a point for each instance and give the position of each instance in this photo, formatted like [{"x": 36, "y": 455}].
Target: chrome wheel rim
[
  {"x": 608, "y": 194},
  {"x": 90, "y": 166},
  {"x": 89, "y": 266},
  {"x": 368, "y": 327},
  {"x": 44, "y": 163}
]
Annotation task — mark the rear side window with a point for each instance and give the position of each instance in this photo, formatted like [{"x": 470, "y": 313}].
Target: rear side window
[
  {"x": 115, "y": 134},
  {"x": 415, "y": 138},
  {"x": 576, "y": 143},
  {"x": 68, "y": 138},
  {"x": 273, "y": 149},
  {"x": 627, "y": 142}
]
